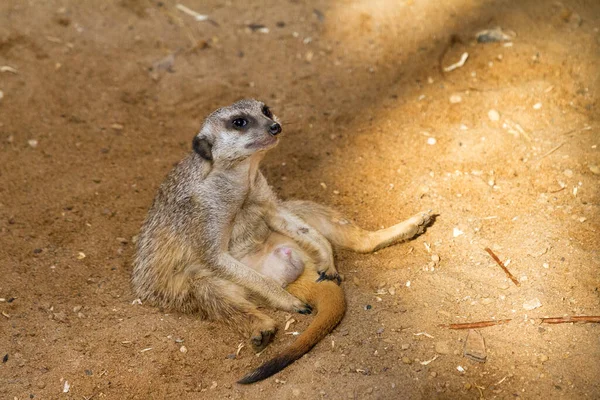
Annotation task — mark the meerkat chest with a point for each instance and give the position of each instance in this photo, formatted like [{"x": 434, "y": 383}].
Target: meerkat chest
[{"x": 249, "y": 231}]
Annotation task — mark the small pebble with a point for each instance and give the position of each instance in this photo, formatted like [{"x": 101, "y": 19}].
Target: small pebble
[
  {"x": 76, "y": 309},
  {"x": 546, "y": 265},
  {"x": 537, "y": 106},
  {"x": 431, "y": 141},
  {"x": 493, "y": 115},
  {"x": 406, "y": 360},
  {"x": 183, "y": 349},
  {"x": 486, "y": 301},
  {"x": 32, "y": 143},
  {"x": 532, "y": 304},
  {"x": 594, "y": 168},
  {"x": 543, "y": 358},
  {"x": 435, "y": 258},
  {"x": 457, "y": 232},
  {"x": 467, "y": 386},
  {"x": 433, "y": 374},
  {"x": 214, "y": 385},
  {"x": 406, "y": 346},
  {"x": 568, "y": 173},
  {"x": 455, "y": 98}
]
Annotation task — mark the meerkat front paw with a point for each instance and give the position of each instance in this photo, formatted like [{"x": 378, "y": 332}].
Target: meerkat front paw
[{"x": 328, "y": 272}]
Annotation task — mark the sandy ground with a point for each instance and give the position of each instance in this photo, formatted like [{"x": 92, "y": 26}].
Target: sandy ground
[{"x": 104, "y": 97}]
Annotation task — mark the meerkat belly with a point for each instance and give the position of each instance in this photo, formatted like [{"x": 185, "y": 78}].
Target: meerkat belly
[{"x": 280, "y": 258}]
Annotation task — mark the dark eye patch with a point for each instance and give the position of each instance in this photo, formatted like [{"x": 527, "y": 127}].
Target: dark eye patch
[
  {"x": 239, "y": 123},
  {"x": 267, "y": 112}
]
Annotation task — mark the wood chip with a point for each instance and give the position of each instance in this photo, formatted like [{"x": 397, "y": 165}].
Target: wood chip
[{"x": 475, "y": 346}]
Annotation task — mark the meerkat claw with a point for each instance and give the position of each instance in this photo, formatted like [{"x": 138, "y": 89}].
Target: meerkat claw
[
  {"x": 307, "y": 309},
  {"x": 324, "y": 277}
]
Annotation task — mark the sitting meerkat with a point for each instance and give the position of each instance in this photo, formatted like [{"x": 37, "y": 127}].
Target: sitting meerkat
[{"x": 218, "y": 242}]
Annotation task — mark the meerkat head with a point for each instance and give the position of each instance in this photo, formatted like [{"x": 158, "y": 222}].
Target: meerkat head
[{"x": 237, "y": 131}]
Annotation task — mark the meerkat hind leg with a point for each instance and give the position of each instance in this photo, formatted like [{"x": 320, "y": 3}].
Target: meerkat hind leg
[
  {"x": 224, "y": 301},
  {"x": 343, "y": 233}
]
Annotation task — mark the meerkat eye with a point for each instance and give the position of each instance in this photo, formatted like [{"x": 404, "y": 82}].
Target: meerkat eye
[
  {"x": 239, "y": 122},
  {"x": 267, "y": 112}
]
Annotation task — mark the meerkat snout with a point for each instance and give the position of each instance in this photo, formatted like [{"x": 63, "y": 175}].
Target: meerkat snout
[{"x": 275, "y": 129}]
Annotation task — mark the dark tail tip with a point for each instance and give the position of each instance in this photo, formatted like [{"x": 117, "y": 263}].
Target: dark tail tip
[{"x": 268, "y": 369}]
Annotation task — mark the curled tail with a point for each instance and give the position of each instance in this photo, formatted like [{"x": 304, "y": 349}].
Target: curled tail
[{"x": 328, "y": 300}]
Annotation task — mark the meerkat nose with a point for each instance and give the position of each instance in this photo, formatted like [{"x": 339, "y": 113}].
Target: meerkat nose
[{"x": 275, "y": 129}]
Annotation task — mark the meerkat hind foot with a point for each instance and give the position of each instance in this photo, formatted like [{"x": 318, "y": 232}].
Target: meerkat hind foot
[
  {"x": 417, "y": 224},
  {"x": 262, "y": 339}
]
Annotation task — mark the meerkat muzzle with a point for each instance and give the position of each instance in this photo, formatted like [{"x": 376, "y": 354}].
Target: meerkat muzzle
[{"x": 275, "y": 129}]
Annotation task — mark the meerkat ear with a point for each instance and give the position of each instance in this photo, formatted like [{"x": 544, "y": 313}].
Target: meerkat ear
[{"x": 203, "y": 147}]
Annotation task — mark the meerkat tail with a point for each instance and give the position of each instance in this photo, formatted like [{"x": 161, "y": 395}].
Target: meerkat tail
[{"x": 327, "y": 298}]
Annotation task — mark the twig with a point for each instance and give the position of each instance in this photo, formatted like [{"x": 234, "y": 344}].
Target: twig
[
  {"x": 475, "y": 325},
  {"x": 578, "y": 318},
  {"x": 506, "y": 271},
  {"x": 546, "y": 154}
]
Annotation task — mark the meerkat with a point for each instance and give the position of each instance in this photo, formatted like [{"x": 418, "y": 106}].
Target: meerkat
[{"x": 218, "y": 242}]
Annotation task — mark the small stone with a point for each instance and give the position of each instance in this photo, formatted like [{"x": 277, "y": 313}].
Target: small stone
[
  {"x": 594, "y": 168},
  {"x": 537, "y": 106},
  {"x": 543, "y": 358},
  {"x": 41, "y": 384},
  {"x": 76, "y": 309},
  {"x": 117, "y": 127},
  {"x": 433, "y": 374},
  {"x": 582, "y": 219},
  {"x": 442, "y": 347},
  {"x": 80, "y": 255},
  {"x": 183, "y": 349},
  {"x": 32, "y": 143},
  {"x": 532, "y": 304},
  {"x": 493, "y": 115},
  {"x": 369, "y": 390},
  {"x": 467, "y": 386},
  {"x": 457, "y": 232},
  {"x": 435, "y": 258},
  {"x": 405, "y": 346},
  {"x": 486, "y": 301},
  {"x": 380, "y": 330},
  {"x": 214, "y": 385},
  {"x": 406, "y": 360},
  {"x": 356, "y": 281},
  {"x": 455, "y": 98},
  {"x": 60, "y": 316},
  {"x": 568, "y": 173},
  {"x": 431, "y": 141}
]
